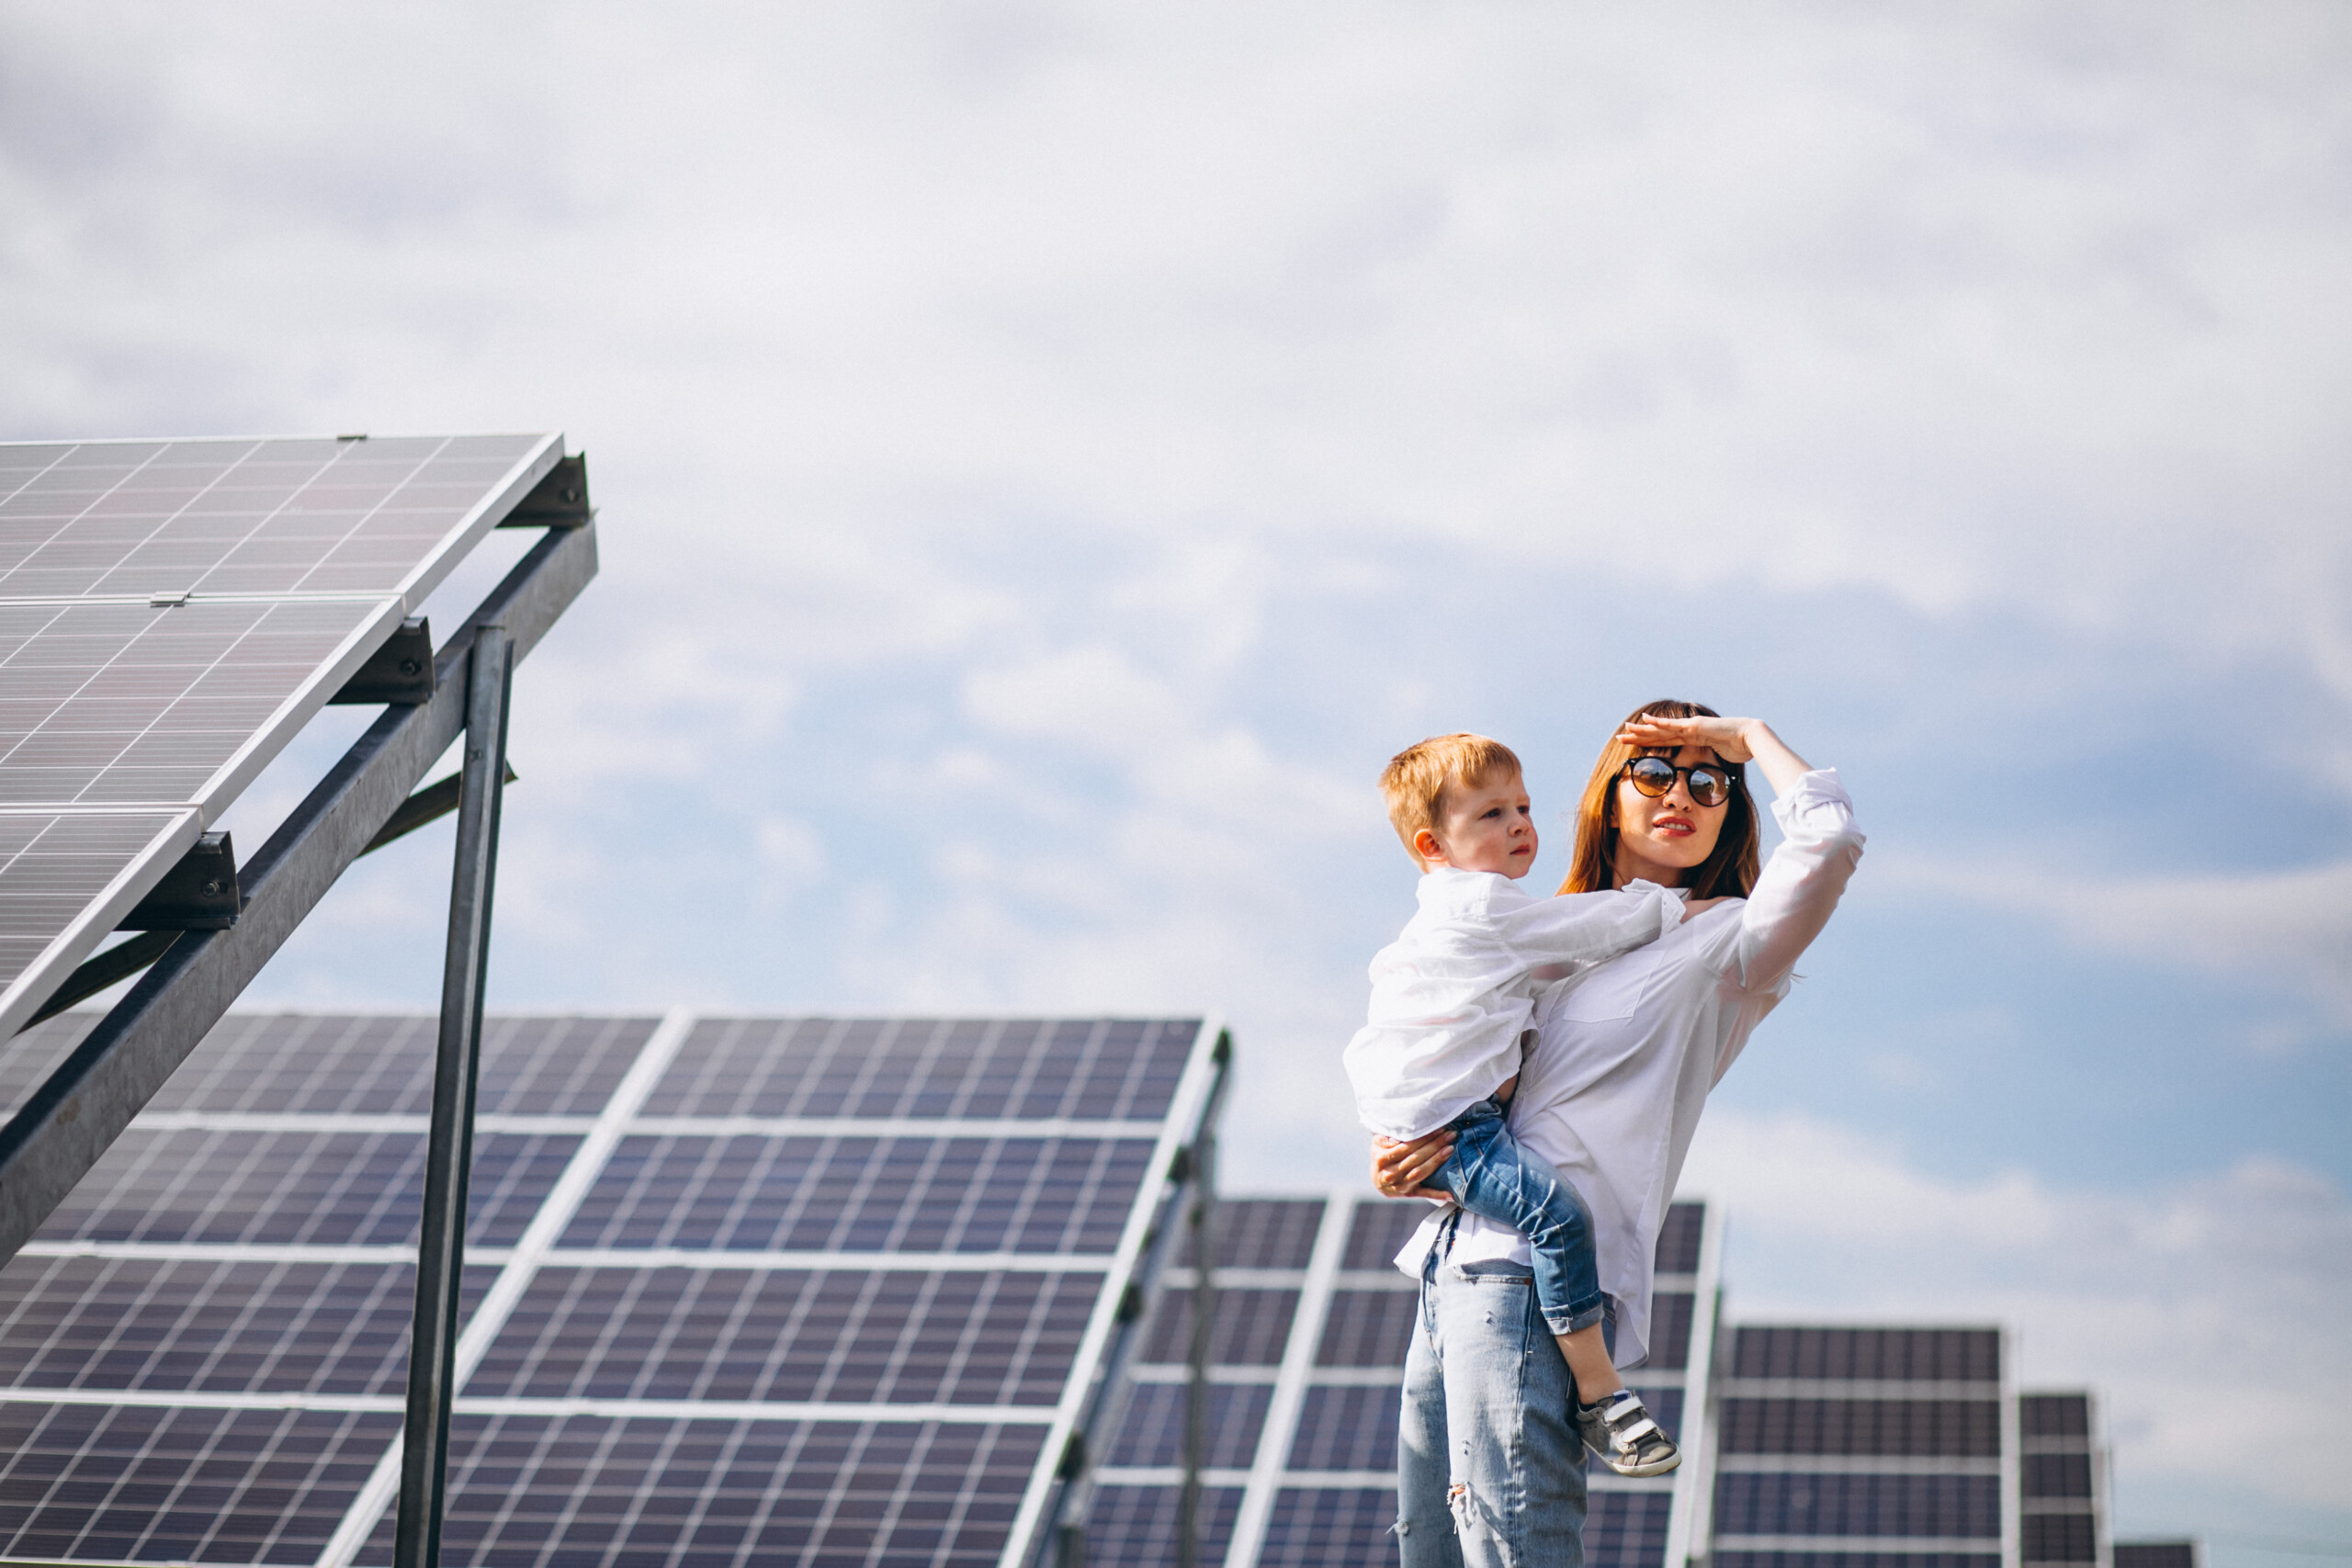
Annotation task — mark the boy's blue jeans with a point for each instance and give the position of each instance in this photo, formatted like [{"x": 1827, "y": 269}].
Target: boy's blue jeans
[{"x": 1491, "y": 1175}]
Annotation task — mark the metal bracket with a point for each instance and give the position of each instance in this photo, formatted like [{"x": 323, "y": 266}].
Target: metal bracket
[
  {"x": 200, "y": 894},
  {"x": 559, "y": 501},
  {"x": 400, "y": 671}
]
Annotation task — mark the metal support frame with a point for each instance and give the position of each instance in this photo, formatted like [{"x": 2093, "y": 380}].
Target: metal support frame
[
  {"x": 67, "y": 1122},
  {"x": 441, "y": 1254},
  {"x": 1202, "y": 1223}
]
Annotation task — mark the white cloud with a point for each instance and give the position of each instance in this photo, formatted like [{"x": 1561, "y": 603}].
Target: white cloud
[{"x": 2239, "y": 1280}]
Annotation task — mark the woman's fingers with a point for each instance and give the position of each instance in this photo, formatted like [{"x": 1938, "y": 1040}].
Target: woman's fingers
[{"x": 1398, "y": 1169}]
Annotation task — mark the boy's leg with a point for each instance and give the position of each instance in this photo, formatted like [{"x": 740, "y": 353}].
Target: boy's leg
[{"x": 1492, "y": 1177}]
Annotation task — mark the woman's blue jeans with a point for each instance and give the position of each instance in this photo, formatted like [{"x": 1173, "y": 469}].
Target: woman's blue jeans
[
  {"x": 1491, "y": 1469},
  {"x": 1491, "y": 1175}
]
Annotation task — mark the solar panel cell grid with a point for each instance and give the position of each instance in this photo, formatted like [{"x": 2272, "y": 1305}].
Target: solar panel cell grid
[
  {"x": 2058, "y": 1538},
  {"x": 1330, "y": 1528},
  {"x": 1251, "y": 1328},
  {"x": 232, "y": 1188},
  {"x": 838, "y": 1336},
  {"x": 1902, "y": 1355},
  {"x": 1678, "y": 1238},
  {"x": 1377, "y": 1230},
  {"x": 1153, "y": 1430},
  {"x": 1670, "y": 1323},
  {"x": 337, "y": 1065},
  {"x": 1347, "y": 1429},
  {"x": 1918, "y": 1427},
  {"x": 1367, "y": 1329},
  {"x": 2156, "y": 1555},
  {"x": 1044, "y": 1195},
  {"x": 2054, "y": 1415},
  {"x": 922, "y": 1067},
  {"x": 1261, "y": 1233},
  {"x": 2054, "y": 1475},
  {"x": 53, "y": 866},
  {"x": 124, "y": 1483},
  {"x": 583, "y": 1492},
  {"x": 219, "y": 1325},
  {"x": 1626, "y": 1529},
  {"x": 116, "y": 704},
  {"x": 1747, "y": 1502},
  {"x": 1135, "y": 1527},
  {"x": 239, "y": 516}
]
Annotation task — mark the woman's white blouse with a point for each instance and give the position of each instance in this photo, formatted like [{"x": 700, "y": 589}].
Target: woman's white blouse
[{"x": 1626, "y": 1051}]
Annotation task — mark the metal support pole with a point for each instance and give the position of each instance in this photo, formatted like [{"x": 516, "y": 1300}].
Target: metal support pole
[
  {"x": 450, "y": 1155},
  {"x": 1196, "y": 1394}
]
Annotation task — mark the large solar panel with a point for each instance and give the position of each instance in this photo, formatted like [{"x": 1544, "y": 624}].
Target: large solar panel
[
  {"x": 733, "y": 1296},
  {"x": 170, "y": 614},
  {"x": 1308, "y": 1355}
]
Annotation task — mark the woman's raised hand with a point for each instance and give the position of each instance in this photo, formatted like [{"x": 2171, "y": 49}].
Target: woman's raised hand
[
  {"x": 1398, "y": 1169},
  {"x": 1727, "y": 738},
  {"x": 1736, "y": 740}
]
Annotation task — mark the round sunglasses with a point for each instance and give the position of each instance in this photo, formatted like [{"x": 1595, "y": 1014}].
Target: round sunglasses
[{"x": 1710, "y": 784}]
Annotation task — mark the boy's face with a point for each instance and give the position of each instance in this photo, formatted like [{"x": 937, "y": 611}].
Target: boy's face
[{"x": 1486, "y": 827}]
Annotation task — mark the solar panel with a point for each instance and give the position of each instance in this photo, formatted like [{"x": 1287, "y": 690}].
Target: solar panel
[
  {"x": 1308, "y": 1353},
  {"x": 170, "y": 614},
  {"x": 847, "y": 1319},
  {"x": 1855, "y": 1446},
  {"x": 2061, "y": 1497}
]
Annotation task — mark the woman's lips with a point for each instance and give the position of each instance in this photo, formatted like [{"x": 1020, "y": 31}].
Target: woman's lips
[{"x": 1674, "y": 825}]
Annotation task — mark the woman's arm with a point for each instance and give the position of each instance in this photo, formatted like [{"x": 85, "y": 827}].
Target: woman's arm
[
  {"x": 1801, "y": 884},
  {"x": 1398, "y": 1169}
]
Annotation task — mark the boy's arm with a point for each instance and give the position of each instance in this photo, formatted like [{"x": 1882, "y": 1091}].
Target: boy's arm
[{"x": 1586, "y": 928}]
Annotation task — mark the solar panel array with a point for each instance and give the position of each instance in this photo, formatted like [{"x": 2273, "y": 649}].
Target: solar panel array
[
  {"x": 170, "y": 612},
  {"x": 1861, "y": 1448},
  {"x": 740, "y": 1290},
  {"x": 1309, "y": 1351}
]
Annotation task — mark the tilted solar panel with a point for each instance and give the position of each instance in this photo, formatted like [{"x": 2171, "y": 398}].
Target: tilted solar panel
[
  {"x": 792, "y": 1341},
  {"x": 170, "y": 614}
]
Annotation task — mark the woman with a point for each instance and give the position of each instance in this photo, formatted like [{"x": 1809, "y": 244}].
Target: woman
[{"x": 1490, "y": 1467}]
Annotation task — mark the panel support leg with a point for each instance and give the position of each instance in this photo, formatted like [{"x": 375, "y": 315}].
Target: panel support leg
[
  {"x": 1196, "y": 1394},
  {"x": 432, "y": 1381}
]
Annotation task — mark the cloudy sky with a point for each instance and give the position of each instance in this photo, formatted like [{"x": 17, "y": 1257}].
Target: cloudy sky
[{"x": 1050, "y": 456}]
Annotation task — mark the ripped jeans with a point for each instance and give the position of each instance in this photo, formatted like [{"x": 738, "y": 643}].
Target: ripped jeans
[{"x": 1490, "y": 1471}]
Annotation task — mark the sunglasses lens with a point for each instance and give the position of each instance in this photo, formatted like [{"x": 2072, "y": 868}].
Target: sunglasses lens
[
  {"x": 1709, "y": 787},
  {"x": 1651, "y": 776}
]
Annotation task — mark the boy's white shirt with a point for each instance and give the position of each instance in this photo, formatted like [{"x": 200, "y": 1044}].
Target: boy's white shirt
[{"x": 1453, "y": 993}]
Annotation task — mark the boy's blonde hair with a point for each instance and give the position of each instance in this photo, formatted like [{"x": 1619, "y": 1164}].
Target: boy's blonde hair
[{"x": 1415, "y": 781}]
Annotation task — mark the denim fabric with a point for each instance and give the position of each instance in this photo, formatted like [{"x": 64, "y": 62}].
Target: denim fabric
[
  {"x": 1490, "y": 1470},
  {"x": 1494, "y": 1178}
]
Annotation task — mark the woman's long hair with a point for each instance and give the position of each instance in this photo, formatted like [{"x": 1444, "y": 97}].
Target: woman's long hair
[{"x": 1593, "y": 868}]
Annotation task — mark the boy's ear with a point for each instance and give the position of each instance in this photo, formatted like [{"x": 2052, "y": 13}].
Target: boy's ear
[{"x": 1425, "y": 845}]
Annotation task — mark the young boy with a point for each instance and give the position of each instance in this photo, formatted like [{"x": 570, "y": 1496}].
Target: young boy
[{"x": 1451, "y": 998}]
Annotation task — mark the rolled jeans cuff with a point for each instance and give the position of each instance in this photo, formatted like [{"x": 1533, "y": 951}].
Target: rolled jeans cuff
[{"x": 1578, "y": 1318}]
